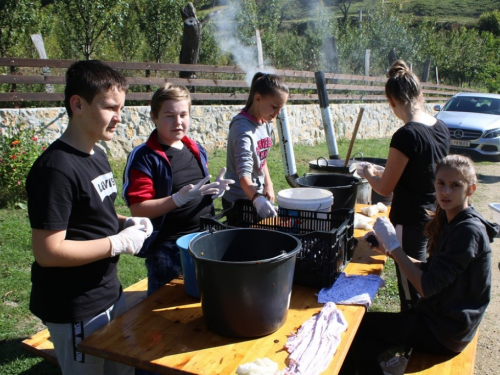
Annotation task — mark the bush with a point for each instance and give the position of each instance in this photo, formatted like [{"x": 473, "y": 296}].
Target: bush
[{"x": 18, "y": 152}]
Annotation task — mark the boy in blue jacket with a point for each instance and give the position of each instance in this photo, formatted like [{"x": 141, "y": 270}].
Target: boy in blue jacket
[{"x": 165, "y": 180}]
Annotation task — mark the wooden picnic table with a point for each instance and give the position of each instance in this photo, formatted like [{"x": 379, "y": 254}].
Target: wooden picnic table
[{"x": 166, "y": 332}]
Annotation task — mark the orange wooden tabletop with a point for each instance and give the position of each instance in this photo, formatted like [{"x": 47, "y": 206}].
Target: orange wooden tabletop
[{"x": 166, "y": 332}]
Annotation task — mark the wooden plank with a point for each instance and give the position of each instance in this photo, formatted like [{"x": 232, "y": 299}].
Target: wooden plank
[
  {"x": 40, "y": 343},
  {"x": 427, "y": 364},
  {"x": 31, "y": 96},
  {"x": 32, "y": 80},
  {"x": 158, "y": 334}
]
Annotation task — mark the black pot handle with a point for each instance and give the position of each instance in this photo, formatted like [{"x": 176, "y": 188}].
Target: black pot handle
[{"x": 322, "y": 158}]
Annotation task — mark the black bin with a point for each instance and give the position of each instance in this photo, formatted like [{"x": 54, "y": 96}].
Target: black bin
[{"x": 245, "y": 279}]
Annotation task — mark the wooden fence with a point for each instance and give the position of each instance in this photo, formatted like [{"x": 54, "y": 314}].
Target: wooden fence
[{"x": 213, "y": 83}]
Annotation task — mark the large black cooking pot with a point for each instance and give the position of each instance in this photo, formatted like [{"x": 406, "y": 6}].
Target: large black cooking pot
[
  {"x": 344, "y": 187},
  {"x": 322, "y": 165},
  {"x": 365, "y": 193},
  {"x": 245, "y": 279}
]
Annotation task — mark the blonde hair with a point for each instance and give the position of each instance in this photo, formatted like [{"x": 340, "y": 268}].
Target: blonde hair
[
  {"x": 402, "y": 84},
  {"x": 265, "y": 84},
  {"x": 464, "y": 165},
  {"x": 169, "y": 92}
]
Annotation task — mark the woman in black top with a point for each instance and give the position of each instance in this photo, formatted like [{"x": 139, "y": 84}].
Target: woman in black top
[{"x": 414, "y": 151}]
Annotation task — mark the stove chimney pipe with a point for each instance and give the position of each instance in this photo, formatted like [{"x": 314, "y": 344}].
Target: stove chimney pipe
[
  {"x": 326, "y": 115},
  {"x": 286, "y": 146}
]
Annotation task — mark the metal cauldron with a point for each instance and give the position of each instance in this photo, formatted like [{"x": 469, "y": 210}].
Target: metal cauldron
[{"x": 337, "y": 166}]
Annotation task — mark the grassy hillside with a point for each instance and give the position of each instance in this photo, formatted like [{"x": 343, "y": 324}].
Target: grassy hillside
[{"x": 457, "y": 12}]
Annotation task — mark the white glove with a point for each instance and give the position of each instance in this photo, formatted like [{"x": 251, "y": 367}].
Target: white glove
[
  {"x": 190, "y": 192},
  {"x": 144, "y": 221},
  {"x": 359, "y": 168},
  {"x": 223, "y": 183},
  {"x": 379, "y": 170},
  {"x": 264, "y": 207},
  {"x": 128, "y": 241},
  {"x": 386, "y": 234}
]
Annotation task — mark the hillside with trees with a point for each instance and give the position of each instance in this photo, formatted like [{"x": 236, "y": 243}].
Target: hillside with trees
[{"x": 460, "y": 38}]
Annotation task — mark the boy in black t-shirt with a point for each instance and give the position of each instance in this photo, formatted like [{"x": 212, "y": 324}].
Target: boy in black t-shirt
[
  {"x": 164, "y": 180},
  {"x": 77, "y": 235}
]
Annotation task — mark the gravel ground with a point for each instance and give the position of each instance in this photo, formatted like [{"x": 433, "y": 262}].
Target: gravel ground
[{"x": 488, "y": 351}]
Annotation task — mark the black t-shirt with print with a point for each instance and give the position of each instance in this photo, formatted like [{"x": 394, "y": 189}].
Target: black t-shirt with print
[
  {"x": 73, "y": 191},
  {"x": 414, "y": 193}
]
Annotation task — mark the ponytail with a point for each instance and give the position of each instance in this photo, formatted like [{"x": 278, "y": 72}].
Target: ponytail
[
  {"x": 434, "y": 228},
  {"x": 265, "y": 84},
  {"x": 403, "y": 84}
]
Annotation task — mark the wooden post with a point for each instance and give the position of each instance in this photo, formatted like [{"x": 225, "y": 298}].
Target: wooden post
[
  {"x": 40, "y": 48},
  {"x": 360, "y": 18},
  {"x": 148, "y": 87},
  {"x": 437, "y": 76},
  {"x": 425, "y": 73},
  {"x": 191, "y": 40},
  {"x": 260, "y": 55},
  {"x": 332, "y": 58},
  {"x": 392, "y": 56},
  {"x": 367, "y": 62},
  {"x": 14, "y": 86}
]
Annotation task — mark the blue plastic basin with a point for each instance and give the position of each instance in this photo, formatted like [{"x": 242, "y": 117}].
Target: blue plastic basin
[{"x": 187, "y": 262}]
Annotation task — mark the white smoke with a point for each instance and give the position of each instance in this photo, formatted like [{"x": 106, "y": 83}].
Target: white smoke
[{"x": 227, "y": 38}]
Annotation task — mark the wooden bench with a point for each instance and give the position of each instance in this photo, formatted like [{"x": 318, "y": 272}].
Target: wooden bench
[
  {"x": 40, "y": 344},
  {"x": 428, "y": 364}
]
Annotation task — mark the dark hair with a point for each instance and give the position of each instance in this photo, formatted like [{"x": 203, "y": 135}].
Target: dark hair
[
  {"x": 169, "y": 92},
  {"x": 434, "y": 227},
  {"x": 265, "y": 84},
  {"x": 402, "y": 84},
  {"x": 88, "y": 78}
]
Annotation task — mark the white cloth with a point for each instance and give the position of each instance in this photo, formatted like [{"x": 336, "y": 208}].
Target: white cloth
[
  {"x": 313, "y": 346},
  {"x": 261, "y": 366},
  {"x": 352, "y": 290}
]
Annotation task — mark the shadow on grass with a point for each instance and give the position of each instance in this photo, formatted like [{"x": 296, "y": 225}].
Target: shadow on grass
[
  {"x": 16, "y": 360},
  {"x": 485, "y": 179}
]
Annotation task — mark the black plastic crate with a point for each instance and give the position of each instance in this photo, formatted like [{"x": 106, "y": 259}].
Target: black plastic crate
[{"x": 326, "y": 238}]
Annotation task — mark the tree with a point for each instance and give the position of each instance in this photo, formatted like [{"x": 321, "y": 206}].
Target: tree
[
  {"x": 128, "y": 38},
  {"x": 85, "y": 25},
  {"x": 490, "y": 21},
  {"x": 344, "y": 6},
  {"x": 18, "y": 19},
  {"x": 162, "y": 25}
]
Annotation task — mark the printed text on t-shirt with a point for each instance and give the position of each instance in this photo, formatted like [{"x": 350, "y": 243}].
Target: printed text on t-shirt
[
  {"x": 105, "y": 185},
  {"x": 263, "y": 147}
]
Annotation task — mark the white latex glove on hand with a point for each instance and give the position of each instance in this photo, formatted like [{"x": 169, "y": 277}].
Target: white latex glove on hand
[
  {"x": 359, "y": 168},
  {"x": 264, "y": 207},
  {"x": 128, "y": 241},
  {"x": 223, "y": 183},
  {"x": 379, "y": 170},
  {"x": 144, "y": 221},
  {"x": 386, "y": 234},
  {"x": 191, "y": 191}
]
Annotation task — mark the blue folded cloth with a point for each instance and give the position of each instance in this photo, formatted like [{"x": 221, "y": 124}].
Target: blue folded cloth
[{"x": 352, "y": 290}]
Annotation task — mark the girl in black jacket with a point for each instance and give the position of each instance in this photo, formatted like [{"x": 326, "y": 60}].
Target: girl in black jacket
[{"x": 454, "y": 282}]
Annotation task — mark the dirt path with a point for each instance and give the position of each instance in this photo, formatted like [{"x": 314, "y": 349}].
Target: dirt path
[{"x": 488, "y": 351}]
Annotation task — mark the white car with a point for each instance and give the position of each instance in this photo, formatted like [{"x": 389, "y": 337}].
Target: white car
[{"x": 474, "y": 123}]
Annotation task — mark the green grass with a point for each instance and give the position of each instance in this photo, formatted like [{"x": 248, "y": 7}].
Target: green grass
[
  {"x": 16, "y": 321},
  {"x": 463, "y": 12}
]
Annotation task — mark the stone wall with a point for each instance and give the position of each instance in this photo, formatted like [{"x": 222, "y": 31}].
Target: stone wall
[{"x": 209, "y": 124}]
